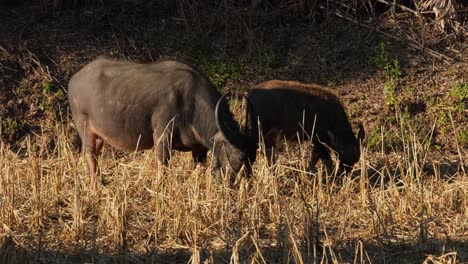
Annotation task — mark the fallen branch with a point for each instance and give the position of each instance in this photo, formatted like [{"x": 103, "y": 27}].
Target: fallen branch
[
  {"x": 412, "y": 44},
  {"x": 402, "y": 7}
]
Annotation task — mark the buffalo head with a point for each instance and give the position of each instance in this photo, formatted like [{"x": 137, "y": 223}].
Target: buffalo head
[
  {"x": 233, "y": 148},
  {"x": 347, "y": 146}
]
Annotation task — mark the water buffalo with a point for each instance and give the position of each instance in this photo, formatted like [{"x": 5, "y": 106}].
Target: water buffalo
[
  {"x": 291, "y": 109},
  {"x": 166, "y": 104}
]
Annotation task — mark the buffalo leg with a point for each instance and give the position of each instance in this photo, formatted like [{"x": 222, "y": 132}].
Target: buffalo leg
[
  {"x": 91, "y": 143},
  {"x": 321, "y": 152},
  {"x": 99, "y": 145},
  {"x": 162, "y": 134},
  {"x": 199, "y": 155},
  {"x": 162, "y": 142}
]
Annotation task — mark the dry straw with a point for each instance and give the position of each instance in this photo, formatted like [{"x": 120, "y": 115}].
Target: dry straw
[{"x": 393, "y": 207}]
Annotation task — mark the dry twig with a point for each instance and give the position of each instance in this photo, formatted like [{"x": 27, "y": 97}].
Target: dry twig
[{"x": 412, "y": 44}]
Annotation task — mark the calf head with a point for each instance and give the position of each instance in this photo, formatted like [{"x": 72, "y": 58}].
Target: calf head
[
  {"x": 233, "y": 148},
  {"x": 347, "y": 146}
]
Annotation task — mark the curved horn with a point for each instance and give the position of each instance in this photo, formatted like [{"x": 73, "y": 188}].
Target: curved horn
[
  {"x": 228, "y": 131},
  {"x": 361, "y": 134},
  {"x": 219, "y": 122},
  {"x": 252, "y": 136}
]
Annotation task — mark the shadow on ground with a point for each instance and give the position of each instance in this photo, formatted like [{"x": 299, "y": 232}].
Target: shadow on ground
[
  {"x": 346, "y": 252},
  {"x": 41, "y": 48}
]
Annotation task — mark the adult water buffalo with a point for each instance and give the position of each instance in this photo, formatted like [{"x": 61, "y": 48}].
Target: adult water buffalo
[
  {"x": 293, "y": 109},
  {"x": 166, "y": 104}
]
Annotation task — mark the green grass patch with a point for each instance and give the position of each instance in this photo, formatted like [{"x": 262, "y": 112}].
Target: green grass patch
[
  {"x": 22, "y": 88},
  {"x": 51, "y": 100},
  {"x": 463, "y": 137},
  {"x": 218, "y": 72},
  {"x": 11, "y": 126},
  {"x": 459, "y": 91}
]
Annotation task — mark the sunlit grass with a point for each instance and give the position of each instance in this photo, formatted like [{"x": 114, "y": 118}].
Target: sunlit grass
[{"x": 394, "y": 207}]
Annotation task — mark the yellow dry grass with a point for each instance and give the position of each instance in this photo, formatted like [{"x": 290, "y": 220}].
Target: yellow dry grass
[{"x": 394, "y": 208}]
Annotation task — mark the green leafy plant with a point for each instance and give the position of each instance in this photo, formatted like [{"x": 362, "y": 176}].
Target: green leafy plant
[
  {"x": 49, "y": 88},
  {"x": 374, "y": 138},
  {"x": 333, "y": 81},
  {"x": 443, "y": 122},
  {"x": 453, "y": 72},
  {"x": 391, "y": 139},
  {"x": 10, "y": 126},
  {"x": 22, "y": 88},
  {"x": 267, "y": 64},
  {"x": 460, "y": 91},
  {"x": 393, "y": 73},
  {"x": 389, "y": 90},
  {"x": 381, "y": 60},
  {"x": 463, "y": 137},
  {"x": 431, "y": 100},
  {"x": 393, "y": 69},
  {"x": 52, "y": 96}
]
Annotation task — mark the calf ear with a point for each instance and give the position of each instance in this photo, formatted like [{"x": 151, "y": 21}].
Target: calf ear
[
  {"x": 361, "y": 134},
  {"x": 332, "y": 139}
]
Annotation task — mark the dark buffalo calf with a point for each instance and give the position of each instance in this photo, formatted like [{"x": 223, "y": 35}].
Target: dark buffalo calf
[{"x": 292, "y": 109}]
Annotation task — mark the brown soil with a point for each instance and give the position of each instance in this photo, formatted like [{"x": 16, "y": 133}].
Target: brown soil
[{"x": 44, "y": 48}]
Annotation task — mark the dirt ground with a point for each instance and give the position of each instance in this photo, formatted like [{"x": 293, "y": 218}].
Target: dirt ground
[{"x": 41, "y": 50}]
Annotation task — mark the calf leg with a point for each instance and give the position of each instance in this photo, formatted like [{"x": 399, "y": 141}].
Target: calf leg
[
  {"x": 270, "y": 155},
  {"x": 321, "y": 152},
  {"x": 271, "y": 140},
  {"x": 344, "y": 169}
]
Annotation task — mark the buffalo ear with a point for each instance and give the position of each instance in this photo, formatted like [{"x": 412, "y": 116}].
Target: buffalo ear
[
  {"x": 226, "y": 123},
  {"x": 361, "y": 134}
]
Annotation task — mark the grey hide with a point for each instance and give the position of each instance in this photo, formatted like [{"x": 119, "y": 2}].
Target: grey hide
[{"x": 166, "y": 104}]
